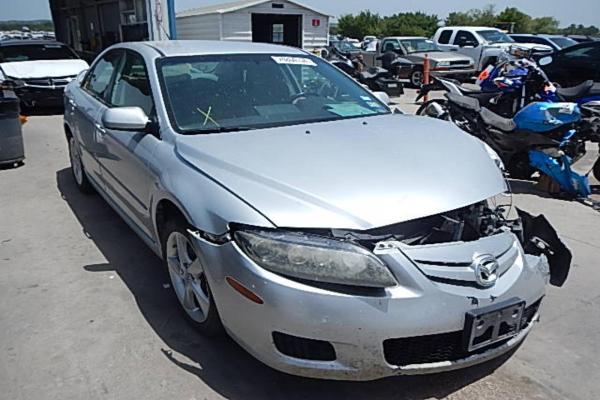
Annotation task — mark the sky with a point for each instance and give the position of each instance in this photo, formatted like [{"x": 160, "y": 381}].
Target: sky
[{"x": 585, "y": 12}]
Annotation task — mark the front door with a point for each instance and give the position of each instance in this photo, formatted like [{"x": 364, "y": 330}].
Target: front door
[
  {"x": 86, "y": 105},
  {"x": 125, "y": 164}
]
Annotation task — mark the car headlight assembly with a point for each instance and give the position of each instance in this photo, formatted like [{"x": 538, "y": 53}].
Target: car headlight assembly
[
  {"x": 314, "y": 258},
  {"x": 443, "y": 64}
]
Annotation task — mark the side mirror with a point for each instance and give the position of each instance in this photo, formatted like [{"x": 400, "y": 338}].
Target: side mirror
[
  {"x": 545, "y": 60},
  {"x": 383, "y": 97},
  {"x": 125, "y": 119},
  {"x": 81, "y": 75}
]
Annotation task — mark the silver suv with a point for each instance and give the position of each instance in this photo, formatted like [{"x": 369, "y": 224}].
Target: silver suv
[{"x": 327, "y": 235}]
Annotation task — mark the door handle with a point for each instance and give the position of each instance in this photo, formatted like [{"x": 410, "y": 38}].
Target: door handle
[{"x": 100, "y": 129}]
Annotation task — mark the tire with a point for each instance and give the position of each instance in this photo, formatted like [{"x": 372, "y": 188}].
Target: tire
[
  {"x": 519, "y": 167},
  {"x": 416, "y": 78},
  {"x": 79, "y": 174},
  {"x": 188, "y": 279},
  {"x": 596, "y": 169}
]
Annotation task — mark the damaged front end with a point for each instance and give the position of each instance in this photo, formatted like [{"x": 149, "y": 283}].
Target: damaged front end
[{"x": 472, "y": 223}]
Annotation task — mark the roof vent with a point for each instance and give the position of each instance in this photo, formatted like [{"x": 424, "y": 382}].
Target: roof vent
[{"x": 277, "y": 5}]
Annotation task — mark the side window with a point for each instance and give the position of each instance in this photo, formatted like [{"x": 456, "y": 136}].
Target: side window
[
  {"x": 131, "y": 87},
  {"x": 390, "y": 45},
  {"x": 99, "y": 77},
  {"x": 464, "y": 37},
  {"x": 582, "y": 53},
  {"x": 445, "y": 36}
]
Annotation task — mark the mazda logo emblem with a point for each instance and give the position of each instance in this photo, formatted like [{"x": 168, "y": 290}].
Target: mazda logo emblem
[{"x": 486, "y": 270}]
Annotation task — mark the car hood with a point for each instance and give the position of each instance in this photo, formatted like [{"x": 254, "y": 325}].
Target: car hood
[
  {"x": 529, "y": 46},
  {"x": 354, "y": 174},
  {"x": 43, "y": 68},
  {"x": 439, "y": 56}
]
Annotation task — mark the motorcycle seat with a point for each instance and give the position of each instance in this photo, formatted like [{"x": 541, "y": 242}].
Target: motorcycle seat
[
  {"x": 469, "y": 103},
  {"x": 575, "y": 92},
  {"x": 492, "y": 119},
  {"x": 470, "y": 88},
  {"x": 483, "y": 97}
]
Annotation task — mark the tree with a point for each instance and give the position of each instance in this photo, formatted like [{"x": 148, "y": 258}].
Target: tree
[
  {"x": 521, "y": 21},
  {"x": 580, "y": 30},
  {"x": 544, "y": 25},
  {"x": 410, "y": 24},
  {"x": 484, "y": 17},
  {"x": 361, "y": 25}
]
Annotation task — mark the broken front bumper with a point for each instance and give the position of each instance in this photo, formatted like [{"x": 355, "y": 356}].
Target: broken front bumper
[{"x": 413, "y": 328}]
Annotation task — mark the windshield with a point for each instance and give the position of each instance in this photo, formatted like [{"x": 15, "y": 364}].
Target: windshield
[
  {"x": 222, "y": 93},
  {"x": 418, "y": 45},
  {"x": 32, "y": 52},
  {"x": 495, "y": 36},
  {"x": 563, "y": 42},
  {"x": 346, "y": 47}
]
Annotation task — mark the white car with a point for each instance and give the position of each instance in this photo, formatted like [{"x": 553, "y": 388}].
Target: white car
[
  {"x": 38, "y": 70},
  {"x": 483, "y": 44}
]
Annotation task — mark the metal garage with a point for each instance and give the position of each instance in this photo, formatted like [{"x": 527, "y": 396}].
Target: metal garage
[
  {"x": 89, "y": 26},
  {"x": 285, "y": 22}
]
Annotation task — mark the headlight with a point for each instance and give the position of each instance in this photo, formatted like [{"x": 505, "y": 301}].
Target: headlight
[
  {"x": 314, "y": 258},
  {"x": 443, "y": 64}
]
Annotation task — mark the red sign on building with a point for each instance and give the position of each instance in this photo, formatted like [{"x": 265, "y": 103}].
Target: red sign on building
[{"x": 316, "y": 22}]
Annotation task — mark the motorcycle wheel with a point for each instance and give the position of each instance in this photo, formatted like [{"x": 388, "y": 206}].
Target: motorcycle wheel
[{"x": 596, "y": 169}]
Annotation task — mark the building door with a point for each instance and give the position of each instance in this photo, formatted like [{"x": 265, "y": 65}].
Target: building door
[{"x": 277, "y": 28}]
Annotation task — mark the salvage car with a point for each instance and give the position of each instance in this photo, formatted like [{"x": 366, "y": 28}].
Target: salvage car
[
  {"x": 38, "y": 70},
  {"x": 324, "y": 233},
  {"x": 415, "y": 49}
]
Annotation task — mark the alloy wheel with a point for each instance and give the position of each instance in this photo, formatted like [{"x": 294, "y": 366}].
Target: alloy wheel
[{"x": 188, "y": 277}]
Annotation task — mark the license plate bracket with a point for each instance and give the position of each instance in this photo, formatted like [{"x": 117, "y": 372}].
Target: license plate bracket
[{"x": 492, "y": 324}]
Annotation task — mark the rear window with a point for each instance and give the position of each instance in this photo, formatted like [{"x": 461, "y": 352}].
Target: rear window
[
  {"x": 30, "y": 52},
  {"x": 445, "y": 36},
  {"x": 563, "y": 42}
]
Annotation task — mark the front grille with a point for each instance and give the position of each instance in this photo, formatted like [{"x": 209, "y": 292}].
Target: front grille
[
  {"x": 303, "y": 348},
  {"x": 460, "y": 62},
  {"x": 439, "y": 347},
  {"x": 48, "y": 82}
]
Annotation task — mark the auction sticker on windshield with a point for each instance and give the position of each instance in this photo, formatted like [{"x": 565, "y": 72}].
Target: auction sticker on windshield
[{"x": 293, "y": 60}]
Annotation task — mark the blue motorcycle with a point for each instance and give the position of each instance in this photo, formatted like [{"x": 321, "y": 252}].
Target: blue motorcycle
[{"x": 542, "y": 136}]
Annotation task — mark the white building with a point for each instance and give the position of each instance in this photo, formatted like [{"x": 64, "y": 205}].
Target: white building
[{"x": 285, "y": 21}]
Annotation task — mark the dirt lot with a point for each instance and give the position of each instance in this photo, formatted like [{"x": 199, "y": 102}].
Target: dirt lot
[{"x": 85, "y": 313}]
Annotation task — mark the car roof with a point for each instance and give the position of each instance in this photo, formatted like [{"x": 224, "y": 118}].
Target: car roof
[
  {"x": 471, "y": 28},
  {"x": 27, "y": 42},
  {"x": 405, "y": 37},
  {"x": 541, "y": 35},
  {"x": 169, "y": 48}
]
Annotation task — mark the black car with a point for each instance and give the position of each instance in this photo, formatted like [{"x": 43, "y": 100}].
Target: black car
[{"x": 573, "y": 65}]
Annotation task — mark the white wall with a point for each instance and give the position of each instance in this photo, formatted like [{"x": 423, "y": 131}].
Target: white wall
[
  {"x": 237, "y": 25},
  {"x": 204, "y": 27}
]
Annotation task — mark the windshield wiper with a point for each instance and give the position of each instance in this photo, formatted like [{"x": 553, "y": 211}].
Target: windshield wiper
[{"x": 220, "y": 129}]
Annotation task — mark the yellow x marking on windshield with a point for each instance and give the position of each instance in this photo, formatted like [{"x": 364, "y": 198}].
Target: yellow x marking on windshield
[{"x": 207, "y": 116}]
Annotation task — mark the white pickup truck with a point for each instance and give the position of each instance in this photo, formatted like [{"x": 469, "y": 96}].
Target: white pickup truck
[{"x": 483, "y": 44}]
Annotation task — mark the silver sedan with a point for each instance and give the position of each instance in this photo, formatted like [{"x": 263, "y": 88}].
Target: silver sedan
[{"x": 328, "y": 235}]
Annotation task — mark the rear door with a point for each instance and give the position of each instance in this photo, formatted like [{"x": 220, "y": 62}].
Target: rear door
[
  {"x": 125, "y": 165},
  {"x": 444, "y": 40},
  {"x": 86, "y": 104}
]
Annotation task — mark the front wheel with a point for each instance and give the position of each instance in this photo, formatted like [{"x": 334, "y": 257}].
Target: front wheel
[
  {"x": 188, "y": 279},
  {"x": 596, "y": 169}
]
